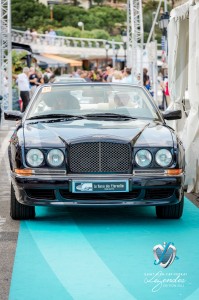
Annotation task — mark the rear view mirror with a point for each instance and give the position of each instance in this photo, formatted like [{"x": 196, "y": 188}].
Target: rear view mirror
[
  {"x": 13, "y": 115},
  {"x": 172, "y": 115}
]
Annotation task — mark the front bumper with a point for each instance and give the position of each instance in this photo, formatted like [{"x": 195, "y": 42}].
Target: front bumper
[{"x": 56, "y": 190}]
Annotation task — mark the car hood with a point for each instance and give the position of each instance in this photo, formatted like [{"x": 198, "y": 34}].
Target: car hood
[{"x": 57, "y": 134}]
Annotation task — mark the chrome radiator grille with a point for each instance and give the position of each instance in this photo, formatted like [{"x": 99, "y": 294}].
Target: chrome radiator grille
[{"x": 100, "y": 157}]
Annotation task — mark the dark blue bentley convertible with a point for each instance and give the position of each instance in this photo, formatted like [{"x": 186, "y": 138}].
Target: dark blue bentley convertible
[{"x": 86, "y": 144}]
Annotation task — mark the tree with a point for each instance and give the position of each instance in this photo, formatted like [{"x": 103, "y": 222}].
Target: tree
[
  {"x": 68, "y": 13},
  {"x": 18, "y": 60},
  {"x": 22, "y": 11}
]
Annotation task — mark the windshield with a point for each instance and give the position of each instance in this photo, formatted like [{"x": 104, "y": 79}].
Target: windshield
[{"x": 93, "y": 99}]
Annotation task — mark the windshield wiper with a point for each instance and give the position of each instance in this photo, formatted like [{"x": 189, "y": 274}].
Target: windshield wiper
[
  {"x": 51, "y": 116},
  {"x": 109, "y": 115}
]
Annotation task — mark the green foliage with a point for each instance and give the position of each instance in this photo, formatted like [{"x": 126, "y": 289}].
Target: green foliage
[
  {"x": 23, "y": 11},
  {"x": 17, "y": 60},
  {"x": 147, "y": 20},
  {"x": 46, "y": 24},
  {"x": 106, "y": 17},
  {"x": 68, "y": 14},
  {"x": 87, "y": 34},
  {"x": 69, "y": 31},
  {"x": 35, "y": 15},
  {"x": 75, "y": 32},
  {"x": 117, "y": 38},
  {"x": 100, "y": 34}
]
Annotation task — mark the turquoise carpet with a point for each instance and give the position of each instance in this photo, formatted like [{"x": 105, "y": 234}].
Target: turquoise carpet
[{"x": 105, "y": 254}]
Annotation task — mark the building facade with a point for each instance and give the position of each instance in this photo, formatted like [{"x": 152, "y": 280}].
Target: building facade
[{"x": 83, "y": 3}]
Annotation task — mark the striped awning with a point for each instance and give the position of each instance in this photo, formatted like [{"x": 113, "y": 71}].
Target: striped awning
[{"x": 60, "y": 59}]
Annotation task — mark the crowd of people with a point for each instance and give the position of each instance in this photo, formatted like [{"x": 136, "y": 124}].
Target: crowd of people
[
  {"x": 108, "y": 74},
  {"x": 31, "y": 78}
]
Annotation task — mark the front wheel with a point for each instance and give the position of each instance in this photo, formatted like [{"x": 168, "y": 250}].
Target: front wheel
[
  {"x": 19, "y": 211},
  {"x": 170, "y": 211}
]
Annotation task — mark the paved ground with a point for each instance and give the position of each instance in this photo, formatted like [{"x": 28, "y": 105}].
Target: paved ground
[
  {"x": 8, "y": 228},
  {"x": 193, "y": 197},
  {"x": 91, "y": 246}
]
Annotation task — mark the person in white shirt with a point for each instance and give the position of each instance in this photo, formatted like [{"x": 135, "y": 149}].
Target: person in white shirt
[
  {"x": 34, "y": 35},
  {"x": 128, "y": 77},
  {"x": 52, "y": 34},
  {"x": 24, "y": 87},
  {"x": 117, "y": 76}
]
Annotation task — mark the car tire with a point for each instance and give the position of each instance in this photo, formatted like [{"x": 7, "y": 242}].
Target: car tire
[
  {"x": 19, "y": 211},
  {"x": 170, "y": 211}
]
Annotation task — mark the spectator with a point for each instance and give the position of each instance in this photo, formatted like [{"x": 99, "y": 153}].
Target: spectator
[
  {"x": 145, "y": 76},
  {"x": 117, "y": 76},
  {"x": 110, "y": 74},
  {"x": 46, "y": 79},
  {"x": 40, "y": 79},
  {"x": 34, "y": 35},
  {"x": 98, "y": 77},
  {"x": 48, "y": 73},
  {"x": 33, "y": 81},
  {"x": 166, "y": 91},
  {"x": 89, "y": 76},
  {"x": 52, "y": 35},
  {"x": 128, "y": 77},
  {"x": 107, "y": 76},
  {"x": 85, "y": 75},
  {"x": 24, "y": 87},
  {"x": 78, "y": 73},
  {"x": 47, "y": 39},
  {"x": 27, "y": 34},
  {"x": 148, "y": 87}
]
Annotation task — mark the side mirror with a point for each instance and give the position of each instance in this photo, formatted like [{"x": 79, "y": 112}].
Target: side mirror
[
  {"x": 13, "y": 115},
  {"x": 172, "y": 115},
  {"x": 1, "y": 97}
]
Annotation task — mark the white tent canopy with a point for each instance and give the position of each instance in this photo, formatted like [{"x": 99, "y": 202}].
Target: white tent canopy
[
  {"x": 183, "y": 64},
  {"x": 178, "y": 42}
]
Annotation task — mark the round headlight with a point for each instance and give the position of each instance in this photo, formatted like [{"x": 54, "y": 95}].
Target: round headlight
[
  {"x": 55, "y": 157},
  {"x": 143, "y": 158},
  {"x": 163, "y": 157},
  {"x": 35, "y": 157}
]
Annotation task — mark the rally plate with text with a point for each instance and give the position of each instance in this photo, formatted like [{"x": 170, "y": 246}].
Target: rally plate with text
[{"x": 107, "y": 186}]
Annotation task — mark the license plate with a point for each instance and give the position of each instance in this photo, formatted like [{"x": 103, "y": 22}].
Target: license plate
[{"x": 106, "y": 186}]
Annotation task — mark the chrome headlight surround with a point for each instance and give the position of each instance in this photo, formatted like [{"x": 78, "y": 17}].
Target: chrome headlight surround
[
  {"x": 35, "y": 157},
  {"x": 163, "y": 157},
  {"x": 143, "y": 158},
  {"x": 55, "y": 158}
]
